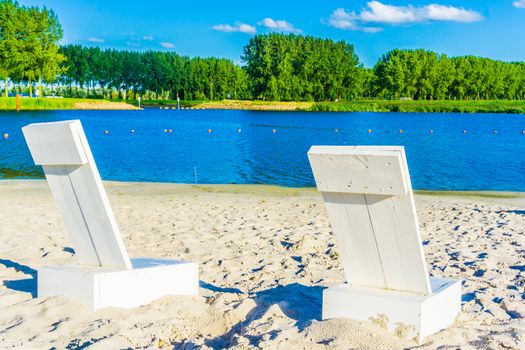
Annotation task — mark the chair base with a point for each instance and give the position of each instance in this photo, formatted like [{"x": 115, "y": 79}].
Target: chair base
[
  {"x": 406, "y": 315},
  {"x": 99, "y": 287}
]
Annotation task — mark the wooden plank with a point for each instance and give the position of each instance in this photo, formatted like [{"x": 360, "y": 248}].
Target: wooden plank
[
  {"x": 74, "y": 221},
  {"x": 355, "y": 239},
  {"x": 396, "y": 231},
  {"x": 99, "y": 217},
  {"x": 386, "y": 222},
  {"x": 358, "y": 170},
  {"x": 55, "y": 143}
]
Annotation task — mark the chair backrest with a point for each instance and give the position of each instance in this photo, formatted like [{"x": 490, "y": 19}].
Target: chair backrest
[
  {"x": 368, "y": 197},
  {"x": 61, "y": 148}
]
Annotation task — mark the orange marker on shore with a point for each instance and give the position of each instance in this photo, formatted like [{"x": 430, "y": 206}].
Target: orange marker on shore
[
  {"x": 209, "y": 131},
  {"x": 6, "y": 136}
]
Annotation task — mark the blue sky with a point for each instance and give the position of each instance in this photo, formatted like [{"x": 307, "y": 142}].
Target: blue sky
[{"x": 489, "y": 28}]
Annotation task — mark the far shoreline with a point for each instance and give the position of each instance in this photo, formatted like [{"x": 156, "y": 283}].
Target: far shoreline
[
  {"x": 369, "y": 106},
  {"x": 402, "y": 106}
]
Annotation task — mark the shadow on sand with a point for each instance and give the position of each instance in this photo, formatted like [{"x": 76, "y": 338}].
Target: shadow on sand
[
  {"x": 27, "y": 285},
  {"x": 298, "y": 302}
]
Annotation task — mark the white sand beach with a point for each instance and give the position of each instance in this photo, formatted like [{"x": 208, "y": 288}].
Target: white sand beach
[{"x": 265, "y": 255}]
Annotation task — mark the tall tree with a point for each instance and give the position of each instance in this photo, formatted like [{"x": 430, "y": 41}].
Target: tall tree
[{"x": 10, "y": 46}]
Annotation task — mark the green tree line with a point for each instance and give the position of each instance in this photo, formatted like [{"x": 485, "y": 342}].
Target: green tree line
[
  {"x": 159, "y": 75},
  {"x": 290, "y": 68},
  {"x": 425, "y": 75}
]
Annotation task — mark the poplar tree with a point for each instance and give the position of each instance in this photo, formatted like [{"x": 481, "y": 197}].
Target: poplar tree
[{"x": 10, "y": 53}]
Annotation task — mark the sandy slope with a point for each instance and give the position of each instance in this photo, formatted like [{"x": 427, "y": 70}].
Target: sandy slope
[
  {"x": 256, "y": 105},
  {"x": 266, "y": 253},
  {"x": 104, "y": 105}
]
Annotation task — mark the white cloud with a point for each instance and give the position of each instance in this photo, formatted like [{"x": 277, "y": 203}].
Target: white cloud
[
  {"x": 147, "y": 37},
  {"x": 167, "y": 45},
  {"x": 238, "y": 27},
  {"x": 279, "y": 25},
  {"x": 95, "y": 40},
  {"x": 377, "y": 12},
  {"x": 519, "y": 4},
  {"x": 342, "y": 19}
]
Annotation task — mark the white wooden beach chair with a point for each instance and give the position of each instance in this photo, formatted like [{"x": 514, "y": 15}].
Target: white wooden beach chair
[
  {"x": 368, "y": 197},
  {"x": 104, "y": 275}
]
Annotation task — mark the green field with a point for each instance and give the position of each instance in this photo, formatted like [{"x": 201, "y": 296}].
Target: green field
[
  {"x": 9, "y": 103},
  {"x": 489, "y": 106}
]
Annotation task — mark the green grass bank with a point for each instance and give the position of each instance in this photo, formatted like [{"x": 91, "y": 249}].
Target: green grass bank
[
  {"x": 485, "y": 106},
  {"x": 38, "y": 104}
]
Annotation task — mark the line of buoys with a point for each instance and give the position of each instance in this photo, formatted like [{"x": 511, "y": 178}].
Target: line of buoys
[
  {"x": 401, "y": 131},
  {"x": 6, "y": 136}
]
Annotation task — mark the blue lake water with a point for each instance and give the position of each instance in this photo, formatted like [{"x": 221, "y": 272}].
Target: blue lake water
[{"x": 446, "y": 159}]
